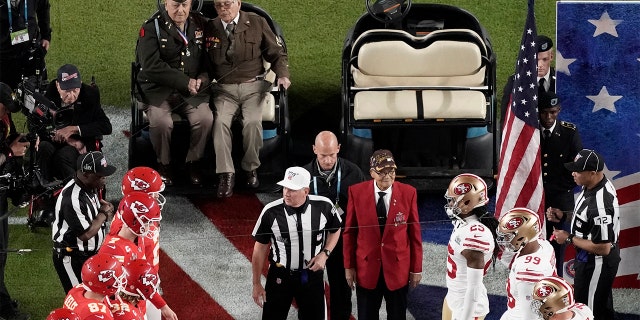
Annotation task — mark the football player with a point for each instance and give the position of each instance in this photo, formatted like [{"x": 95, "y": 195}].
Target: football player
[
  {"x": 471, "y": 248},
  {"x": 553, "y": 299},
  {"x": 141, "y": 284},
  {"x": 534, "y": 259},
  {"x": 139, "y": 212},
  {"x": 102, "y": 276}
]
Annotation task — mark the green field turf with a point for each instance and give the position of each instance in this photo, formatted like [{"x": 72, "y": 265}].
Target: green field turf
[{"x": 99, "y": 36}]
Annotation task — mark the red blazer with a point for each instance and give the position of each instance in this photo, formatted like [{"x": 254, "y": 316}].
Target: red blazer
[{"x": 398, "y": 251}]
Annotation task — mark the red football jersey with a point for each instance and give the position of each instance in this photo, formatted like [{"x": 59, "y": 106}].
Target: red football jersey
[
  {"x": 125, "y": 310},
  {"x": 85, "y": 307}
]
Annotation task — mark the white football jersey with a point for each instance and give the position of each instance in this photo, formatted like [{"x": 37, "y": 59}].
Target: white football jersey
[
  {"x": 524, "y": 272},
  {"x": 472, "y": 236}
]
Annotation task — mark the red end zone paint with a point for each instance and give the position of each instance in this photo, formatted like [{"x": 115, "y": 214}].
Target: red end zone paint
[{"x": 184, "y": 296}]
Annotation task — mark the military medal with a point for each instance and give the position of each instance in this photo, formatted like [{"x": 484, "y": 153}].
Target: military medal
[{"x": 187, "y": 52}]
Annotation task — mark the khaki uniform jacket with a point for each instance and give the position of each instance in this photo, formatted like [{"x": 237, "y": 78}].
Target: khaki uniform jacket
[
  {"x": 167, "y": 63},
  {"x": 254, "y": 40}
]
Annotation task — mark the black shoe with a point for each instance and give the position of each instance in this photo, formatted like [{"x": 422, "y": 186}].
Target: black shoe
[
  {"x": 194, "y": 172},
  {"x": 252, "y": 179},
  {"x": 15, "y": 315},
  {"x": 225, "y": 187},
  {"x": 166, "y": 174}
]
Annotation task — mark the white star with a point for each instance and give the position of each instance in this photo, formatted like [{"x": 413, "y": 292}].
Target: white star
[
  {"x": 523, "y": 101},
  {"x": 520, "y": 89},
  {"x": 604, "y": 100},
  {"x": 525, "y": 60},
  {"x": 609, "y": 173},
  {"x": 605, "y": 25},
  {"x": 526, "y": 114},
  {"x": 562, "y": 64}
]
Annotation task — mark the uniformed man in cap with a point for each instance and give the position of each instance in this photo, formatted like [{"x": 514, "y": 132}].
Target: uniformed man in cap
[
  {"x": 237, "y": 43},
  {"x": 546, "y": 73},
  {"x": 173, "y": 78},
  {"x": 560, "y": 142}
]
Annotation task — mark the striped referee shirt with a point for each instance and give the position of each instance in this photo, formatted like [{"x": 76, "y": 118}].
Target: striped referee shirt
[
  {"x": 76, "y": 207},
  {"x": 296, "y": 234},
  {"x": 596, "y": 216}
]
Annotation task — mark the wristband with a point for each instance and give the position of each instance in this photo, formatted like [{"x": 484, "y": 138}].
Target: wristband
[{"x": 570, "y": 238}]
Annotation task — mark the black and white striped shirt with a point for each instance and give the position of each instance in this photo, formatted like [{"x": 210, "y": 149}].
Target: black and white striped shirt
[
  {"x": 596, "y": 216},
  {"x": 76, "y": 207},
  {"x": 281, "y": 225}
]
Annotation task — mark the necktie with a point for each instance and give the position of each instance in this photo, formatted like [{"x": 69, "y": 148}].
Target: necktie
[
  {"x": 541, "y": 85},
  {"x": 381, "y": 209},
  {"x": 229, "y": 30},
  {"x": 547, "y": 133}
]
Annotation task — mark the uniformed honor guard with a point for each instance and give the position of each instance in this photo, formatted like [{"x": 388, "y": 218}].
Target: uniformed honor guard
[
  {"x": 173, "y": 78},
  {"x": 560, "y": 142}
]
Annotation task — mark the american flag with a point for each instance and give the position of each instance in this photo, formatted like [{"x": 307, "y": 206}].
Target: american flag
[
  {"x": 597, "y": 69},
  {"x": 519, "y": 175}
]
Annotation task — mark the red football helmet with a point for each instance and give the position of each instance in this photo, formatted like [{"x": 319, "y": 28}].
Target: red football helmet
[
  {"x": 62, "y": 314},
  {"x": 103, "y": 273},
  {"x": 146, "y": 180},
  {"x": 139, "y": 211},
  {"x": 142, "y": 280}
]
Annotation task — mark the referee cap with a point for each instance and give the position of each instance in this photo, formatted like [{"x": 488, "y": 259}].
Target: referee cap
[
  {"x": 296, "y": 178},
  {"x": 94, "y": 162},
  {"x": 586, "y": 160}
]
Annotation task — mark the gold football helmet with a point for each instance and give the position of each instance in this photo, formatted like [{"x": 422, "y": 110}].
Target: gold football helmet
[
  {"x": 465, "y": 192},
  {"x": 551, "y": 295},
  {"x": 517, "y": 227}
]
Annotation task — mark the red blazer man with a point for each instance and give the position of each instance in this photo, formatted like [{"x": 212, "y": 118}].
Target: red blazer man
[{"x": 382, "y": 263}]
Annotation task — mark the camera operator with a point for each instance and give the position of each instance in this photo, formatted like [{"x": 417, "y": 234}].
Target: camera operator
[
  {"x": 10, "y": 148},
  {"x": 25, "y": 35},
  {"x": 79, "y": 124}
]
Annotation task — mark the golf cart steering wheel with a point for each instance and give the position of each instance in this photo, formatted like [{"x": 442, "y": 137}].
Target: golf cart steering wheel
[
  {"x": 387, "y": 11},
  {"x": 196, "y": 5}
]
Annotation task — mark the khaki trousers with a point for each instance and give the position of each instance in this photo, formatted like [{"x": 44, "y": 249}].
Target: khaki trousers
[
  {"x": 161, "y": 124},
  {"x": 245, "y": 99}
]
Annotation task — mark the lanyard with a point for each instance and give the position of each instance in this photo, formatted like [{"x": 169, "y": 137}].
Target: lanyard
[
  {"x": 315, "y": 184},
  {"x": 26, "y": 16}
]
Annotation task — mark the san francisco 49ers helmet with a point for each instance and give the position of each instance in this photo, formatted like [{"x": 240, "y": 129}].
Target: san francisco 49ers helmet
[
  {"x": 139, "y": 212},
  {"x": 62, "y": 314},
  {"x": 551, "y": 295},
  {"x": 517, "y": 227},
  {"x": 142, "y": 280},
  {"x": 146, "y": 180},
  {"x": 465, "y": 192},
  {"x": 103, "y": 274}
]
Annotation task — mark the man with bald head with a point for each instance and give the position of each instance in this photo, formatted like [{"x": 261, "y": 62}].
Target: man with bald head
[{"x": 331, "y": 177}]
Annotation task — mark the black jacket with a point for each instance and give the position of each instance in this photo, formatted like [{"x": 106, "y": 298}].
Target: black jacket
[
  {"x": 39, "y": 24},
  {"x": 350, "y": 174},
  {"x": 561, "y": 147}
]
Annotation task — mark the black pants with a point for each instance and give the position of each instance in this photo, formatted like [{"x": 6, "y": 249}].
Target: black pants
[
  {"x": 284, "y": 285},
  {"x": 6, "y": 306},
  {"x": 339, "y": 290},
  {"x": 602, "y": 271},
  {"x": 370, "y": 300},
  {"x": 69, "y": 267},
  {"x": 57, "y": 161},
  {"x": 562, "y": 200}
]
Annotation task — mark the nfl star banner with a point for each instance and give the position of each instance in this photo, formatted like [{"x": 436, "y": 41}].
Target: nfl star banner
[{"x": 598, "y": 79}]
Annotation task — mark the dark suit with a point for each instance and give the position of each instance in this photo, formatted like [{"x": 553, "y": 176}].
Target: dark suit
[
  {"x": 561, "y": 147},
  {"x": 382, "y": 262},
  {"x": 346, "y": 173},
  {"x": 506, "y": 92}
]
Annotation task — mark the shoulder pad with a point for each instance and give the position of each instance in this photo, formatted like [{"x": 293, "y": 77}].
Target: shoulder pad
[{"x": 568, "y": 125}]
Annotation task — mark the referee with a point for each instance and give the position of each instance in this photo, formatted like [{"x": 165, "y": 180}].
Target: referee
[
  {"x": 595, "y": 229},
  {"x": 300, "y": 230},
  {"x": 81, "y": 216}
]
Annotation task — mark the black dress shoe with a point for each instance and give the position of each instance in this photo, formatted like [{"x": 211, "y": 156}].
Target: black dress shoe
[
  {"x": 225, "y": 187},
  {"x": 194, "y": 172},
  {"x": 252, "y": 179},
  {"x": 166, "y": 174}
]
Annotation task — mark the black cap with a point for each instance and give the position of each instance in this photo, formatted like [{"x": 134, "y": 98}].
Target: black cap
[
  {"x": 543, "y": 43},
  {"x": 7, "y": 98},
  {"x": 69, "y": 77},
  {"x": 547, "y": 99},
  {"x": 586, "y": 160},
  {"x": 94, "y": 162}
]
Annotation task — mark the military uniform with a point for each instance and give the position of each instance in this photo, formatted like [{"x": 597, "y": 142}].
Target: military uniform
[
  {"x": 238, "y": 86},
  {"x": 167, "y": 62}
]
